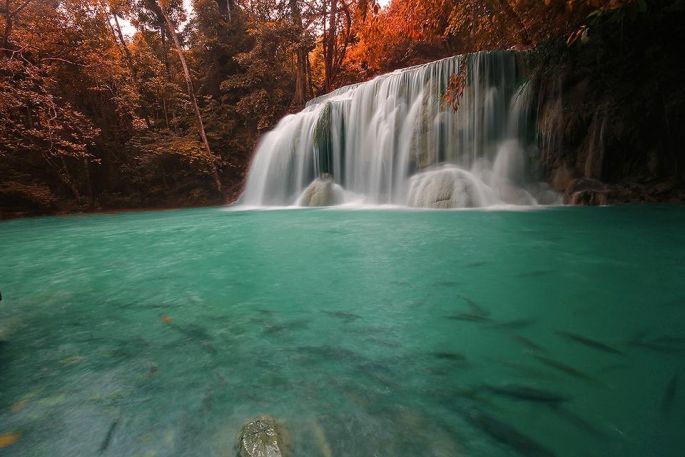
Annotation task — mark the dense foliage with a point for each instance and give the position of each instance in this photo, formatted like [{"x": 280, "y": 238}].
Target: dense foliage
[{"x": 92, "y": 118}]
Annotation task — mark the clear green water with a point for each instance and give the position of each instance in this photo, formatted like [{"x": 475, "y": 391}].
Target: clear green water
[{"x": 336, "y": 322}]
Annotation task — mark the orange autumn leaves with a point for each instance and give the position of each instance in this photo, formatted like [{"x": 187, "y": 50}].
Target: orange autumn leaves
[
  {"x": 411, "y": 32},
  {"x": 8, "y": 439},
  {"x": 455, "y": 88},
  {"x": 408, "y": 32}
]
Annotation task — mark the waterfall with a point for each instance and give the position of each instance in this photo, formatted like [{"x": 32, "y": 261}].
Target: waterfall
[{"x": 394, "y": 140}]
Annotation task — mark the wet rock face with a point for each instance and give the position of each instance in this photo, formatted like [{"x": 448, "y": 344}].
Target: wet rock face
[
  {"x": 586, "y": 191},
  {"x": 322, "y": 191},
  {"x": 448, "y": 187},
  {"x": 263, "y": 437}
]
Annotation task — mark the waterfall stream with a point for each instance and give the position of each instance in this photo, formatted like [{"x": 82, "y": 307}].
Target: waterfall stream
[{"x": 395, "y": 140}]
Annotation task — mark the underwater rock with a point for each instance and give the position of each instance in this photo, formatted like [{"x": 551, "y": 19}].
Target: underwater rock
[
  {"x": 263, "y": 437},
  {"x": 322, "y": 191},
  {"x": 449, "y": 187}
]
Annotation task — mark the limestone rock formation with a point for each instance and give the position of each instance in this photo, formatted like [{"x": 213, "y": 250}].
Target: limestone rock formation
[
  {"x": 449, "y": 187},
  {"x": 322, "y": 191}
]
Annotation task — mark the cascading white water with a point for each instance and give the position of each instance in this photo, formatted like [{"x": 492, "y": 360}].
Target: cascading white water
[{"x": 394, "y": 140}]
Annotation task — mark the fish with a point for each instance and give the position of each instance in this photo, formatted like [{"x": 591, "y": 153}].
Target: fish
[
  {"x": 347, "y": 317},
  {"x": 528, "y": 343},
  {"x": 383, "y": 342},
  {"x": 297, "y": 324},
  {"x": 197, "y": 334},
  {"x": 578, "y": 422},
  {"x": 439, "y": 371},
  {"x": 450, "y": 356},
  {"x": 660, "y": 348},
  {"x": 331, "y": 353},
  {"x": 669, "y": 396},
  {"x": 475, "y": 307},
  {"x": 469, "y": 317},
  {"x": 594, "y": 344},
  {"x": 528, "y": 393},
  {"x": 525, "y": 370},
  {"x": 379, "y": 373},
  {"x": 515, "y": 324},
  {"x": 564, "y": 368},
  {"x": 654, "y": 346},
  {"x": 669, "y": 339},
  {"x": 108, "y": 437},
  {"x": 506, "y": 434},
  {"x": 140, "y": 306}
]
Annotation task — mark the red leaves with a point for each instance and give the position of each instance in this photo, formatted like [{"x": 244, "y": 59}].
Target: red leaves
[
  {"x": 33, "y": 119},
  {"x": 455, "y": 88}
]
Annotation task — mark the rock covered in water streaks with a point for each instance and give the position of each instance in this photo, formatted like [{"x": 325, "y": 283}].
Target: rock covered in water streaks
[
  {"x": 449, "y": 187},
  {"x": 322, "y": 191},
  {"x": 263, "y": 437},
  {"x": 586, "y": 191}
]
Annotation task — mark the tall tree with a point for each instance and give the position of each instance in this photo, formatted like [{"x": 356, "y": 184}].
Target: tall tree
[
  {"x": 191, "y": 93},
  {"x": 302, "y": 89},
  {"x": 337, "y": 34},
  {"x": 11, "y": 11}
]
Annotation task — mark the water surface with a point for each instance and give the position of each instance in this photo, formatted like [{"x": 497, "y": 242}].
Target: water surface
[{"x": 368, "y": 333}]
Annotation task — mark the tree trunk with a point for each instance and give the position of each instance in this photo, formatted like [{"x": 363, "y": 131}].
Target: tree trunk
[
  {"x": 64, "y": 176},
  {"x": 124, "y": 48},
  {"x": 9, "y": 21},
  {"x": 89, "y": 183},
  {"x": 340, "y": 56},
  {"x": 308, "y": 72},
  {"x": 8, "y": 26},
  {"x": 329, "y": 56},
  {"x": 193, "y": 100},
  {"x": 301, "y": 94},
  {"x": 129, "y": 61},
  {"x": 166, "y": 113}
]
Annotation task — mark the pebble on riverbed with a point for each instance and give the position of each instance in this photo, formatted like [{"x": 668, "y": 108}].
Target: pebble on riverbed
[{"x": 262, "y": 437}]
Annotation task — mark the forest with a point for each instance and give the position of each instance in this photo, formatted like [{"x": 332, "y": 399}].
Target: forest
[{"x": 108, "y": 104}]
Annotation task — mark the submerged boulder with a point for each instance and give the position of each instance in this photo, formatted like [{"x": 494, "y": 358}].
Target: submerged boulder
[
  {"x": 263, "y": 437},
  {"x": 322, "y": 191},
  {"x": 449, "y": 187}
]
